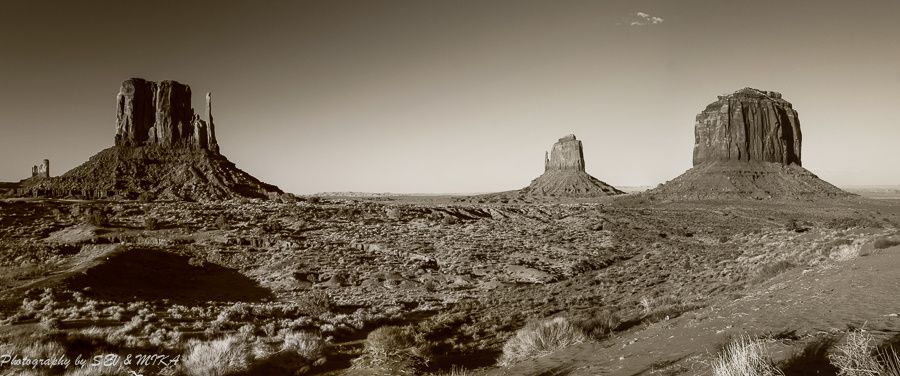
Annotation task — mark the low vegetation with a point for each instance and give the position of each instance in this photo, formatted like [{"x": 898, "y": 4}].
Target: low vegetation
[
  {"x": 745, "y": 357},
  {"x": 394, "y": 350},
  {"x": 538, "y": 339},
  {"x": 291, "y": 353},
  {"x": 859, "y": 356}
]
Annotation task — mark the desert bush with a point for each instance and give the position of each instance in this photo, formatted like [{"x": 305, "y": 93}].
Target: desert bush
[
  {"x": 885, "y": 242},
  {"x": 858, "y": 356},
  {"x": 394, "y": 350},
  {"x": 599, "y": 324},
  {"x": 224, "y": 356},
  {"x": 744, "y": 357},
  {"x": 292, "y": 353},
  {"x": 315, "y": 303},
  {"x": 538, "y": 339}
]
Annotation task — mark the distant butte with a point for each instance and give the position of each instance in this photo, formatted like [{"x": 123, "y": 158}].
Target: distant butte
[
  {"x": 747, "y": 145},
  {"x": 163, "y": 150},
  {"x": 564, "y": 177}
]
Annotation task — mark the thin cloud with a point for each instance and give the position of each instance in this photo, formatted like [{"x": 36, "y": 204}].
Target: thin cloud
[{"x": 641, "y": 19}]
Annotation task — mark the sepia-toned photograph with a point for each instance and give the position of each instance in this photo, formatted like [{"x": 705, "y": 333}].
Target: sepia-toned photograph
[{"x": 450, "y": 188}]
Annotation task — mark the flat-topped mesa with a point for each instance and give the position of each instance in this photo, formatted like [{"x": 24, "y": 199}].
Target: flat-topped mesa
[
  {"x": 748, "y": 125},
  {"x": 566, "y": 155},
  {"x": 160, "y": 114}
]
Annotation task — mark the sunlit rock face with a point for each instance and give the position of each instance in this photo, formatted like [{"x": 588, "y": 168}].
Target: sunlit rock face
[
  {"x": 748, "y": 125},
  {"x": 566, "y": 155}
]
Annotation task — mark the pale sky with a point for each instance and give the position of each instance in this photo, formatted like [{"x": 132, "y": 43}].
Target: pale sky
[{"x": 454, "y": 96}]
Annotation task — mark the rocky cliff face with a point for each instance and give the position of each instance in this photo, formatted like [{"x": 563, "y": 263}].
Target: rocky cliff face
[
  {"x": 748, "y": 125},
  {"x": 160, "y": 113},
  {"x": 566, "y": 155}
]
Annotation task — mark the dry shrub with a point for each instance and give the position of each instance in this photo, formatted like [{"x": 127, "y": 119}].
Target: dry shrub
[
  {"x": 599, "y": 324},
  {"x": 858, "y": 356},
  {"x": 745, "y": 357},
  {"x": 231, "y": 354},
  {"x": 394, "y": 350},
  {"x": 295, "y": 354},
  {"x": 538, "y": 339}
]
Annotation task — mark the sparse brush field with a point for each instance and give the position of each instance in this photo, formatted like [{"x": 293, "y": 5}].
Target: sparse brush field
[{"x": 442, "y": 286}]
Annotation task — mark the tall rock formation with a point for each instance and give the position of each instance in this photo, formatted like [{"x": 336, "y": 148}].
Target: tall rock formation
[
  {"x": 747, "y": 145},
  {"x": 564, "y": 177},
  {"x": 566, "y": 155},
  {"x": 160, "y": 113},
  {"x": 163, "y": 150},
  {"x": 748, "y": 125}
]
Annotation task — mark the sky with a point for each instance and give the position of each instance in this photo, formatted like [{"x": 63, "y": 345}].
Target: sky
[{"x": 453, "y": 96}]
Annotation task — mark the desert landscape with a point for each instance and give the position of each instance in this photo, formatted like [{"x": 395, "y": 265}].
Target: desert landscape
[
  {"x": 158, "y": 255},
  {"x": 160, "y": 248}
]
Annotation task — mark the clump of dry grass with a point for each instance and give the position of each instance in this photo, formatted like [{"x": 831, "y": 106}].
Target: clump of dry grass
[
  {"x": 858, "y": 356},
  {"x": 292, "y": 352},
  {"x": 231, "y": 354},
  {"x": 599, "y": 324},
  {"x": 538, "y": 339},
  {"x": 394, "y": 350},
  {"x": 745, "y": 357}
]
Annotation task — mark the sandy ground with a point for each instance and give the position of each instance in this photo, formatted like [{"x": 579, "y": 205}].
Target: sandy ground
[{"x": 791, "y": 308}]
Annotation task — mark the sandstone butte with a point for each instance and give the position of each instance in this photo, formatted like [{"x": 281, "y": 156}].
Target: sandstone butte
[
  {"x": 747, "y": 145},
  {"x": 163, "y": 150},
  {"x": 565, "y": 176}
]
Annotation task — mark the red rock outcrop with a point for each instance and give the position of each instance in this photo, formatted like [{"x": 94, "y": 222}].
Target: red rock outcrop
[{"x": 748, "y": 125}]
